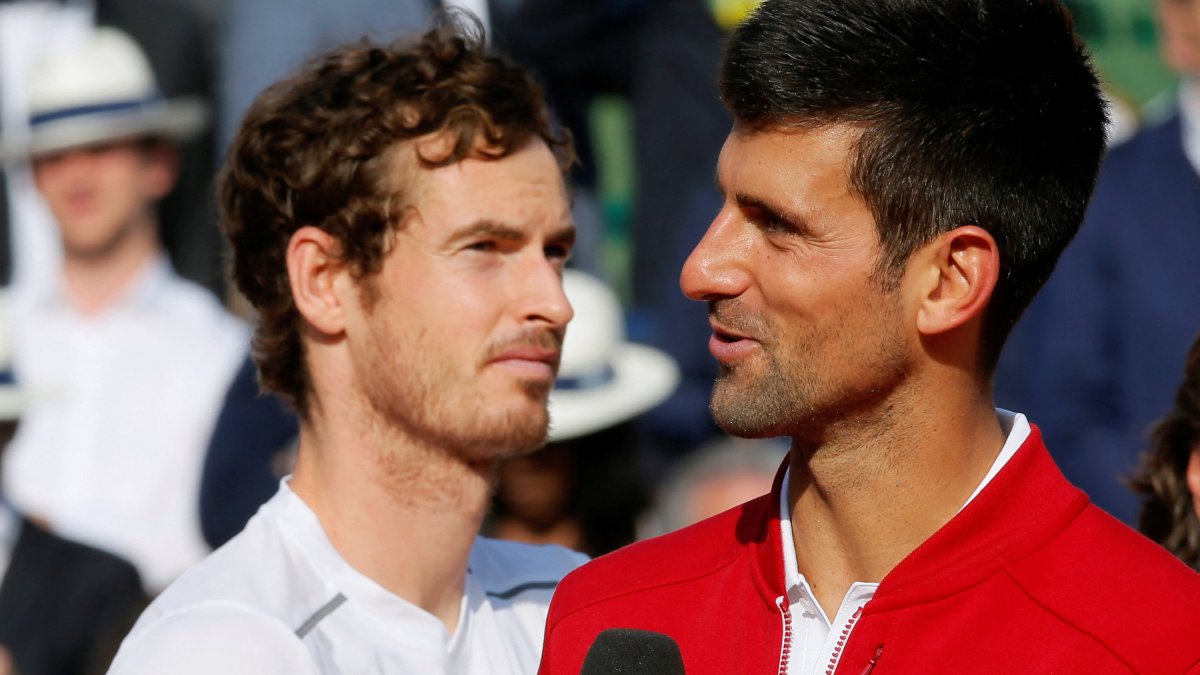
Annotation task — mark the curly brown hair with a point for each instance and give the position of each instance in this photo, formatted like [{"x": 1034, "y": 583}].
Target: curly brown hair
[
  {"x": 1168, "y": 515},
  {"x": 317, "y": 149}
]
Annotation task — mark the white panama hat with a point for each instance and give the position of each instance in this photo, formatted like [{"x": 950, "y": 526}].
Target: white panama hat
[
  {"x": 96, "y": 90},
  {"x": 602, "y": 379}
]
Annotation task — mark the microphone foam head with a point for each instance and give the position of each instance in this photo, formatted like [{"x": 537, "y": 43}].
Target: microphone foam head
[{"x": 629, "y": 651}]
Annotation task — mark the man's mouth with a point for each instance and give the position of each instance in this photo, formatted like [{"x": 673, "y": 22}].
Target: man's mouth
[
  {"x": 533, "y": 357},
  {"x": 733, "y": 335}
]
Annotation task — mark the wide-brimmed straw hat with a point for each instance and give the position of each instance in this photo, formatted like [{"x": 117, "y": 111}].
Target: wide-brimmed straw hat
[
  {"x": 603, "y": 380},
  {"x": 97, "y": 90}
]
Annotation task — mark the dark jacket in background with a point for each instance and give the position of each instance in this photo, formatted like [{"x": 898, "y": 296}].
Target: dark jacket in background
[{"x": 64, "y": 606}]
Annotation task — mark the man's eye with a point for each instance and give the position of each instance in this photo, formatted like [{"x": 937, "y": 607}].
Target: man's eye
[
  {"x": 484, "y": 246},
  {"x": 558, "y": 251},
  {"x": 773, "y": 223}
]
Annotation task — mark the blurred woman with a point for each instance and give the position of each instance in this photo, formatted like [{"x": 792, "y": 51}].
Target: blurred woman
[{"x": 1169, "y": 477}]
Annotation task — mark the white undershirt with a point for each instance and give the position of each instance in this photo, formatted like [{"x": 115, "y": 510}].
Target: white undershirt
[{"x": 814, "y": 637}]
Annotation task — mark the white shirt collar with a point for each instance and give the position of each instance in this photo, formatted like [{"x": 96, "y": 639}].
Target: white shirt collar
[
  {"x": 144, "y": 290},
  {"x": 1016, "y": 429},
  {"x": 422, "y": 630}
]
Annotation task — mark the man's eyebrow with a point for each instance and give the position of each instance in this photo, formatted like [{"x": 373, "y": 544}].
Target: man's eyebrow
[
  {"x": 498, "y": 230},
  {"x": 487, "y": 228},
  {"x": 750, "y": 201},
  {"x": 565, "y": 235},
  {"x": 745, "y": 201}
]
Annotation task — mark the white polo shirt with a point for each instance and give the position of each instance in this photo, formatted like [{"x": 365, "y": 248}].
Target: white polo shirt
[{"x": 278, "y": 598}]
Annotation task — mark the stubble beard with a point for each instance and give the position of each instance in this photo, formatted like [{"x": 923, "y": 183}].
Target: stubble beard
[
  {"x": 789, "y": 390},
  {"x": 431, "y": 406}
]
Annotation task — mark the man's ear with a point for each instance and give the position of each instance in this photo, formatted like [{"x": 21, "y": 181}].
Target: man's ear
[
  {"x": 959, "y": 272},
  {"x": 315, "y": 269}
]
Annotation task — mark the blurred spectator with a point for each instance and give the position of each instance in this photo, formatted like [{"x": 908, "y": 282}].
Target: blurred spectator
[
  {"x": 1098, "y": 350},
  {"x": 175, "y": 36},
  {"x": 127, "y": 361},
  {"x": 719, "y": 475},
  {"x": 583, "y": 490},
  {"x": 1169, "y": 478},
  {"x": 177, "y": 40},
  {"x": 64, "y": 607},
  {"x": 28, "y": 30}
]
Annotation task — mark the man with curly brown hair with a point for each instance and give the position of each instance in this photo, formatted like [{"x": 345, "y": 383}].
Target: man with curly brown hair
[{"x": 399, "y": 219}]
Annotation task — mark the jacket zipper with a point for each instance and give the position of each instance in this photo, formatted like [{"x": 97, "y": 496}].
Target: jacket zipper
[
  {"x": 841, "y": 643},
  {"x": 785, "y": 652},
  {"x": 873, "y": 661}
]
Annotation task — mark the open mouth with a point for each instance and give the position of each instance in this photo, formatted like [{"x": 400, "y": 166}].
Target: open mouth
[
  {"x": 726, "y": 336},
  {"x": 722, "y": 336}
]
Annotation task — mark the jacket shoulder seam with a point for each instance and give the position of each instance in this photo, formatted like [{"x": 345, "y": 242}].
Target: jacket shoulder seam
[
  {"x": 642, "y": 588},
  {"x": 1065, "y": 620}
]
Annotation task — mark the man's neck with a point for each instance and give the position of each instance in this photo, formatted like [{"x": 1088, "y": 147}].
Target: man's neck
[
  {"x": 874, "y": 489},
  {"x": 402, "y": 514},
  {"x": 94, "y": 283}
]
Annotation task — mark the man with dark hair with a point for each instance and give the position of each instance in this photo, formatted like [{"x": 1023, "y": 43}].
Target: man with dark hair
[
  {"x": 399, "y": 219},
  {"x": 899, "y": 180}
]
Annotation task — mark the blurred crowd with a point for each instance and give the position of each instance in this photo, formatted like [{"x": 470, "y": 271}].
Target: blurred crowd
[{"x": 135, "y": 439}]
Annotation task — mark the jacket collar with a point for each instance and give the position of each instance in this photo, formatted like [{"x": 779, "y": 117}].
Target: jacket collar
[
  {"x": 1025, "y": 506},
  {"x": 766, "y": 540}
]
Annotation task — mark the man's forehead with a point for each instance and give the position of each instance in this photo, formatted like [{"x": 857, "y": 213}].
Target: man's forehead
[
  {"x": 484, "y": 194},
  {"x": 785, "y": 147},
  {"x": 412, "y": 162}
]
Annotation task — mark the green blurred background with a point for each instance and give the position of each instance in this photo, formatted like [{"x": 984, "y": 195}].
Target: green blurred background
[{"x": 1123, "y": 37}]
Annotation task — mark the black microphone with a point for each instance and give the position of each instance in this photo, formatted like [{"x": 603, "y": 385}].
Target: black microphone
[{"x": 628, "y": 651}]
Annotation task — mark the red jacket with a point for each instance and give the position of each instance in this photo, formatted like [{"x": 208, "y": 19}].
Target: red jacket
[{"x": 1028, "y": 578}]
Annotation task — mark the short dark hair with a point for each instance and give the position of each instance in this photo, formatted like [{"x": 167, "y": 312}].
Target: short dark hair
[
  {"x": 1168, "y": 513},
  {"x": 317, "y": 149},
  {"x": 983, "y": 112}
]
